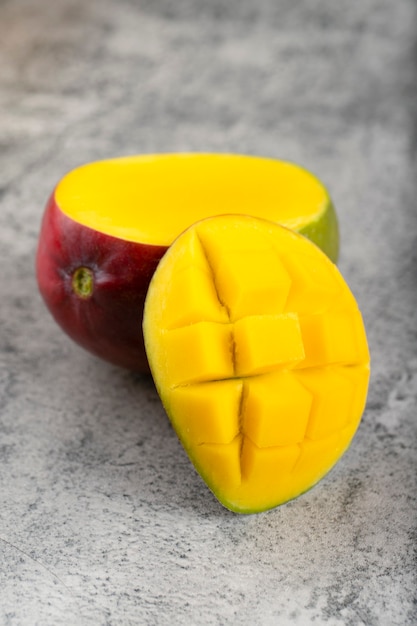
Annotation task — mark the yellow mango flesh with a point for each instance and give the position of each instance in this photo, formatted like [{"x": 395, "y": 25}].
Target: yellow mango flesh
[
  {"x": 259, "y": 354},
  {"x": 151, "y": 199}
]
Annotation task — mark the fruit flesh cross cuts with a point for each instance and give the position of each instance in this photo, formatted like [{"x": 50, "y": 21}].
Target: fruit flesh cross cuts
[{"x": 259, "y": 354}]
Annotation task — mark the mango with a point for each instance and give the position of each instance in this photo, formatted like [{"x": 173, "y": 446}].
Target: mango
[
  {"x": 259, "y": 353},
  {"x": 108, "y": 223}
]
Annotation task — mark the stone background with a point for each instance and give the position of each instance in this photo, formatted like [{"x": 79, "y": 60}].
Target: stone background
[{"x": 103, "y": 521}]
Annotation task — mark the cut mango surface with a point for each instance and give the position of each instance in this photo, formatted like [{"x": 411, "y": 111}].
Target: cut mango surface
[
  {"x": 259, "y": 353},
  {"x": 151, "y": 199}
]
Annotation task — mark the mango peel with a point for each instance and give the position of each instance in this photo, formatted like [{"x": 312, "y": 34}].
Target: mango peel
[{"x": 259, "y": 354}]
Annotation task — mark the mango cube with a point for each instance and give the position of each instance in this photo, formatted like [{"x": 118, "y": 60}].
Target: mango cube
[
  {"x": 276, "y": 410},
  {"x": 265, "y": 342}
]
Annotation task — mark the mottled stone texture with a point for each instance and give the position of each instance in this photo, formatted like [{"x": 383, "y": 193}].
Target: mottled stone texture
[{"x": 102, "y": 519}]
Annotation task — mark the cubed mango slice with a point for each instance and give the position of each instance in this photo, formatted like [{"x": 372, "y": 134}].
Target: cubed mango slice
[{"x": 259, "y": 353}]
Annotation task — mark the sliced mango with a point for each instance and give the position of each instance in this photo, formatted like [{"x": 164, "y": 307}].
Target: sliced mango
[
  {"x": 259, "y": 354},
  {"x": 151, "y": 198}
]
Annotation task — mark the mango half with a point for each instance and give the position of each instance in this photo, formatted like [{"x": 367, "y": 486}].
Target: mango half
[
  {"x": 108, "y": 223},
  {"x": 259, "y": 354}
]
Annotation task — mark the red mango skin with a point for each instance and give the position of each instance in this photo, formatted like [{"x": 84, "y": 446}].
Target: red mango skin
[{"x": 109, "y": 322}]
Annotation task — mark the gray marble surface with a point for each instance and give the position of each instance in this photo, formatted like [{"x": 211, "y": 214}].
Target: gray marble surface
[{"x": 103, "y": 521}]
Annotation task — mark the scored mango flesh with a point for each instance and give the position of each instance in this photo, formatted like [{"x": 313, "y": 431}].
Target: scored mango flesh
[{"x": 259, "y": 354}]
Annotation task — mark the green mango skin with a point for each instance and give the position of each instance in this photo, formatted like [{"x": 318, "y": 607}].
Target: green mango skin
[{"x": 325, "y": 233}]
